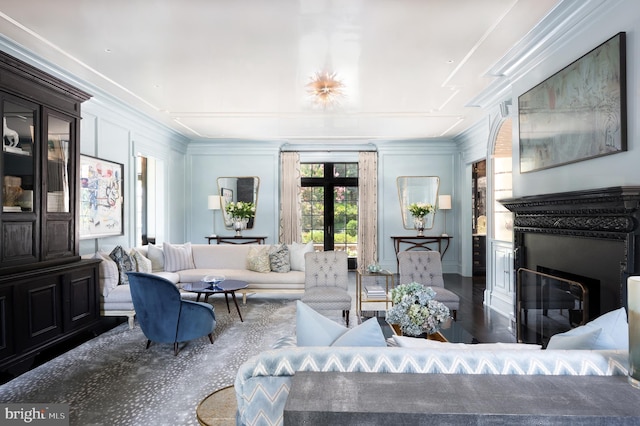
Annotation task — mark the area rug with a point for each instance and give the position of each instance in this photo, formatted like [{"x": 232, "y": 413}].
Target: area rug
[{"x": 113, "y": 380}]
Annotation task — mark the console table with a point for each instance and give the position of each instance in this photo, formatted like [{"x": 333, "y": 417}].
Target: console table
[
  {"x": 423, "y": 242},
  {"x": 333, "y": 398},
  {"x": 220, "y": 239}
]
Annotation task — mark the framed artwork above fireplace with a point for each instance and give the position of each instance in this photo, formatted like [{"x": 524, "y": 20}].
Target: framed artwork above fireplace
[{"x": 578, "y": 113}]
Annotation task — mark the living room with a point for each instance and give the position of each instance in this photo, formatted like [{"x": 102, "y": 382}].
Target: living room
[{"x": 188, "y": 165}]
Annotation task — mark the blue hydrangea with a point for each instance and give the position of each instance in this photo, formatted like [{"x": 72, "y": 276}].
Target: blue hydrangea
[{"x": 415, "y": 310}]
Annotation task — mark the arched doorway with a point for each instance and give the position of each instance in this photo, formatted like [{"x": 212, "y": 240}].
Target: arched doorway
[{"x": 500, "y": 288}]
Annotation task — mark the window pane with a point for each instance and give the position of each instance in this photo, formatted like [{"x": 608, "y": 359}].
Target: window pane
[
  {"x": 502, "y": 183},
  {"x": 58, "y": 165},
  {"x": 312, "y": 170},
  {"x": 17, "y": 158}
]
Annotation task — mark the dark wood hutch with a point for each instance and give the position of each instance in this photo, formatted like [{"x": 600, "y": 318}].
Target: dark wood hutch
[{"x": 47, "y": 293}]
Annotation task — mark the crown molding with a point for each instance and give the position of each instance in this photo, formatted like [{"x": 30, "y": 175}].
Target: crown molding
[{"x": 529, "y": 50}]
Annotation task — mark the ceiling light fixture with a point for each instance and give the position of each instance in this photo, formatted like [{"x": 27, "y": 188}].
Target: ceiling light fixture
[{"x": 325, "y": 89}]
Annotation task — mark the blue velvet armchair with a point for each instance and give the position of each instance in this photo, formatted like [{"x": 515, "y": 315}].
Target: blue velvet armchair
[{"x": 162, "y": 314}]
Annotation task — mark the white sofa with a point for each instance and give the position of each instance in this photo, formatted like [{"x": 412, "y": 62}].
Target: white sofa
[
  {"x": 263, "y": 382},
  {"x": 227, "y": 259}
]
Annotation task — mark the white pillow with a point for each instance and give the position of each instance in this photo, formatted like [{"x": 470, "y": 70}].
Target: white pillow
[
  {"x": 296, "y": 254},
  {"x": 615, "y": 330},
  {"x": 258, "y": 259},
  {"x": 156, "y": 256},
  {"x": 417, "y": 342},
  {"x": 109, "y": 275},
  {"x": 585, "y": 341},
  {"x": 314, "y": 329},
  {"x": 177, "y": 257},
  {"x": 142, "y": 263}
]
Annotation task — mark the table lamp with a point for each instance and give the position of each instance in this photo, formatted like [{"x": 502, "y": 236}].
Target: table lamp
[
  {"x": 214, "y": 204},
  {"x": 444, "y": 203}
]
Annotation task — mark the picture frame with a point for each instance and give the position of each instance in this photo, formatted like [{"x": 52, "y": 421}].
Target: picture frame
[
  {"x": 101, "y": 198},
  {"x": 579, "y": 113}
]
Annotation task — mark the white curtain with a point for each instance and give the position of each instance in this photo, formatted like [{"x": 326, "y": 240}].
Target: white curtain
[
  {"x": 290, "y": 217},
  {"x": 367, "y": 208}
]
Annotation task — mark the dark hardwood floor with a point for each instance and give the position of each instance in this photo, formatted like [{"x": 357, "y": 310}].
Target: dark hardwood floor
[{"x": 485, "y": 325}]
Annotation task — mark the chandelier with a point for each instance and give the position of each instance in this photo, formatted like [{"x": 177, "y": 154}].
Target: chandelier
[{"x": 325, "y": 89}]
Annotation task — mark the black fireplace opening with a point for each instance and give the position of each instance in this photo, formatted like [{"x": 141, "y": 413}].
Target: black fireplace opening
[
  {"x": 551, "y": 301},
  {"x": 592, "y": 286}
]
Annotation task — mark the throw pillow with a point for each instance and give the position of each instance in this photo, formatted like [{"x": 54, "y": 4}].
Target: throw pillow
[
  {"x": 414, "y": 342},
  {"x": 279, "y": 258},
  {"x": 585, "y": 341},
  {"x": 156, "y": 256},
  {"x": 124, "y": 263},
  {"x": 368, "y": 333},
  {"x": 109, "y": 276},
  {"x": 142, "y": 263},
  {"x": 296, "y": 255},
  {"x": 177, "y": 257},
  {"x": 314, "y": 329},
  {"x": 615, "y": 330},
  {"x": 258, "y": 259}
]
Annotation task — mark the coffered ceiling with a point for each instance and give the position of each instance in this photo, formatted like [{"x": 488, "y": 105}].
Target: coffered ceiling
[{"x": 238, "y": 69}]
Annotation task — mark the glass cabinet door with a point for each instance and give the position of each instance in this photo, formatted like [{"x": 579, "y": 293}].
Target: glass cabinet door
[
  {"x": 58, "y": 156},
  {"x": 17, "y": 166}
]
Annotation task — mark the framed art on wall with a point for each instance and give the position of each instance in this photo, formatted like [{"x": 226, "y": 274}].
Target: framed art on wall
[
  {"x": 578, "y": 113},
  {"x": 101, "y": 198}
]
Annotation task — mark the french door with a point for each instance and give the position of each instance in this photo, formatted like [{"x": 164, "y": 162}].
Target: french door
[{"x": 330, "y": 207}]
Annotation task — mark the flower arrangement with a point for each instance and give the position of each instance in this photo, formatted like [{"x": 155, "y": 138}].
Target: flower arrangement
[
  {"x": 420, "y": 209},
  {"x": 415, "y": 310},
  {"x": 241, "y": 210}
]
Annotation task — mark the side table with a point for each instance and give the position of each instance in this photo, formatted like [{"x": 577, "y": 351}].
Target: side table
[
  {"x": 421, "y": 243},
  {"x": 361, "y": 293},
  {"x": 233, "y": 239}
]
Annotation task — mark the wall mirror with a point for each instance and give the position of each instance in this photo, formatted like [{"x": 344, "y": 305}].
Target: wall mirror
[
  {"x": 417, "y": 189},
  {"x": 234, "y": 189}
]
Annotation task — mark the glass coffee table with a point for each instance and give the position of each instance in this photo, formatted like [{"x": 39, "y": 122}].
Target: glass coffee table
[
  {"x": 451, "y": 332},
  {"x": 226, "y": 287}
]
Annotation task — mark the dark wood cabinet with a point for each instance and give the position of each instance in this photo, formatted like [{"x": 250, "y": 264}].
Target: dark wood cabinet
[
  {"x": 47, "y": 294},
  {"x": 479, "y": 254}
]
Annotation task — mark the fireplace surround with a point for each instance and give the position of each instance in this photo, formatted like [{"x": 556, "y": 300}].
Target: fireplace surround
[{"x": 590, "y": 233}]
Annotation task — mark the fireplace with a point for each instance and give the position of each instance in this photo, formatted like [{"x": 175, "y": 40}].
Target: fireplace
[{"x": 592, "y": 234}]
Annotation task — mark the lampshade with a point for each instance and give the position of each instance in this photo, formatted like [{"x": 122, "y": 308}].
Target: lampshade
[
  {"x": 444, "y": 202},
  {"x": 214, "y": 202}
]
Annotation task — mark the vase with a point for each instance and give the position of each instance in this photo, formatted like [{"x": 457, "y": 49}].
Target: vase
[
  {"x": 239, "y": 223},
  {"x": 633, "y": 302},
  {"x": 419, "y": 223}
]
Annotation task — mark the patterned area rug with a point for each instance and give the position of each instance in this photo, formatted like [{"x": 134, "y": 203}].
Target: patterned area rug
[{"x": 113, "y": 380}]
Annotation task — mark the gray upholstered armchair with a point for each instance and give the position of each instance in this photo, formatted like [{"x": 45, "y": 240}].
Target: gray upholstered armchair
[
  {"x": 163, "y": 316},
  {"x": 425, "y": 267},
  {"x": 326, "y": 282}
]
